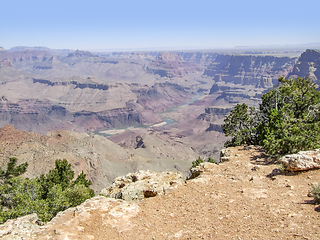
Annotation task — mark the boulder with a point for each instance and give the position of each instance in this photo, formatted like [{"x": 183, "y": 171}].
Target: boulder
[
  {"x": 142, "y": 184},
  {"x": 200, "y": 169},
  {"x": 140, "y": 142},
  {"x": 304, "y": 160}
]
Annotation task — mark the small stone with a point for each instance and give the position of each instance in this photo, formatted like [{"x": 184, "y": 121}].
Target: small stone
[
  {"x": 225, "y": 159},
  {"x": 275, "y": 172},
  {"x": 225, "y": 154},
  {"x": 255, "y": 168}
]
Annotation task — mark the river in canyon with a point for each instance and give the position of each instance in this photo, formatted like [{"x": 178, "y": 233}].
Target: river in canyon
[{"x": 165, "y": 121}]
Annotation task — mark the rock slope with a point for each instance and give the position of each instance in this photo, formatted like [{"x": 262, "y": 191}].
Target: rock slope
[{"x": 99, "y": 158}]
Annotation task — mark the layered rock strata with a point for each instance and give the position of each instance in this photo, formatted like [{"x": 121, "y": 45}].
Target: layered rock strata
[
  {"x": 308, "y": 65},
  {"x": 263, "y": 71}
]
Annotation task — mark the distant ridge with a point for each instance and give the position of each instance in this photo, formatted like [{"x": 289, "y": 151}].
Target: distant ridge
[
  {"x": 52, "y": 51},
  {"x": 303, "y": 46},
  {"x": 287, "y": 47}
]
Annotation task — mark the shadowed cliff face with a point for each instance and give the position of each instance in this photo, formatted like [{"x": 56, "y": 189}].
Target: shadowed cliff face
[
  {"x": 42, "y": 116},
  {"x": 308, "y": 65},
  {"x": 249, "y": 70},
  {"x": 77, "y": 84},
  {"x": 244, "y": 78}
]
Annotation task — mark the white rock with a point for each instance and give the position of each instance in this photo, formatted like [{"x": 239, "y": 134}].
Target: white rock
[
  {"x": 225, "y": 154},
  {"x": 304, "y": 160}
]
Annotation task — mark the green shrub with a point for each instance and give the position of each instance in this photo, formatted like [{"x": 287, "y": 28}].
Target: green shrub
[
  {"x": 315, "y": 193},
  {"x": 46, "y": 195},
  {"x": 196, "y": 163},
  {"x": 211, "y": 160},
  {"x": 12, "y": 170},
  {"x": 241, "y": 124}
]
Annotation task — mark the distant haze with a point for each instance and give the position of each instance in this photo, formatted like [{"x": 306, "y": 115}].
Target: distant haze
[{"x": 158, "y": 25}]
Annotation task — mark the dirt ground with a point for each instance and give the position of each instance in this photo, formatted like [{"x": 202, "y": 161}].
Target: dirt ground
[{"x": 244, "y": 198}]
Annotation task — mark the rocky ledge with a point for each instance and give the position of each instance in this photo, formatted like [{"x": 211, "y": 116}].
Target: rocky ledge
[{"x": 142, "y": 184}]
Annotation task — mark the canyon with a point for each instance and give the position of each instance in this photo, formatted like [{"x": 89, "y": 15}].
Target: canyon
[
  {"x": 113, "y": 114},
  {"x": 160, "y": 110}
]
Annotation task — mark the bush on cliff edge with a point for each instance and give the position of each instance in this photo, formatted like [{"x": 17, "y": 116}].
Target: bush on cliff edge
[
  {"x": 46, "y": 195},
  {"x": 287, "y": 120}
]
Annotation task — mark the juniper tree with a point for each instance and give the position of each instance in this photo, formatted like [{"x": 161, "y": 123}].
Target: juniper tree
[{"x": 287, "y": 120}]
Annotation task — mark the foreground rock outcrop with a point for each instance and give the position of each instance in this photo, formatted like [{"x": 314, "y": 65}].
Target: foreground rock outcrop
[
  {"x": 143, "y": 184},
  {"x": 304, "y": 160},
  {"x": 71, "y": 224},
  {"x": 233, "y": 200},
  {"x": 20, "y": 228}
]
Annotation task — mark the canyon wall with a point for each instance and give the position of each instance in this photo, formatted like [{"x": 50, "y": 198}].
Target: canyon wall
[
  {"x": 255, "y": 70},
  {"x": 308, "y": 65}
]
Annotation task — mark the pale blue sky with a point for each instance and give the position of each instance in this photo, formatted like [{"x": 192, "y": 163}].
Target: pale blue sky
[{"x": 123, "y": 24}]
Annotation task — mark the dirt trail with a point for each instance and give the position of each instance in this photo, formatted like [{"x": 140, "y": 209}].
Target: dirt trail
[{"x": 232, "y": 200}]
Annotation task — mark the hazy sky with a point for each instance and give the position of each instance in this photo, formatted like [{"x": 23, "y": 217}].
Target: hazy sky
[{"x": 124, "y": 24}]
